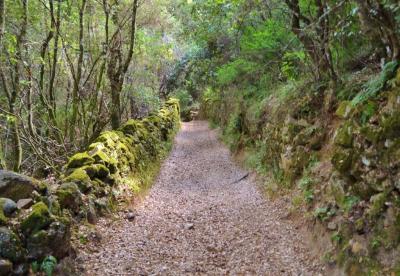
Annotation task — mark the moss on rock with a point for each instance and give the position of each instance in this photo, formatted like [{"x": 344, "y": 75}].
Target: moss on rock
[
  {"x": 38, "y": 219},
  {"x": 3, "y": 218},
  {"x": 342, "y": 159},
  {"x": 377, "y": 203},
  {"x": 97, "y": 171},
  {"x": 344, "y": 110},
  {"x": 79, "y": 160},
  {"x": 69, "y": 196},
  {"x": 344, "y": 135},
  {"x": 11, "y": 246},
  {"x": 103, "y": 158},
  {"x": 81, "y": 178}
]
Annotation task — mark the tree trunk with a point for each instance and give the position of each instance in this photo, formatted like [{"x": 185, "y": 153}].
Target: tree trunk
[
  {"x": 380, "y": 24},
  {"x": 77, "y": 77},
  {"x": 317, "y": 48},
  {"x": 117, "y": 68}
]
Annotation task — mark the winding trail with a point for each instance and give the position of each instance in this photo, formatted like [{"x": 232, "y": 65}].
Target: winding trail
[{"x": 198, "y": 219}]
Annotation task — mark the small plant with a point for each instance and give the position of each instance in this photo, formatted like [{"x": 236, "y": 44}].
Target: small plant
[
  {"x": 305, "y": 184},
  {"x": 297, "y": 201},
  {"x": 376, "y": 243},
  {"x": 48, "y": 265},
  {"x": 349, "y": 201},
  {"x": 369, "y": 109},
  {"x": 372, "y": 88},
  {"x": 336, "y": 238},
  {"x": 308, "y": 196},
  {"x": 83, "y": 239},
  {"x": 324, "y": 213}
]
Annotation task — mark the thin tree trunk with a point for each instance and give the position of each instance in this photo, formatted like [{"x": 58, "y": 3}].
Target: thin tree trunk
[
  {"x": 15, "y": 94},
  {"x": 78, "y": 76},
  {"x": 116, "y": 72}
]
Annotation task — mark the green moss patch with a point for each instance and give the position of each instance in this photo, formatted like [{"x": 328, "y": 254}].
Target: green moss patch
[{"x": 38, "y": 219}]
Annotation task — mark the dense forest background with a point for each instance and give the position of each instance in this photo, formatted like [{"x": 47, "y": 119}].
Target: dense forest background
[{"x": 70, "y": 69}]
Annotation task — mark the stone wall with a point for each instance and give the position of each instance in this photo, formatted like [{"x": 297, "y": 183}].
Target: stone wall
[
  {"x": 339, "y": 159},
  {"x": 36, "y": 219}
]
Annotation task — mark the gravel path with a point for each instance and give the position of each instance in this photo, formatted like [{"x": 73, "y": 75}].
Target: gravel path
[{"x": 198, "y": 219}]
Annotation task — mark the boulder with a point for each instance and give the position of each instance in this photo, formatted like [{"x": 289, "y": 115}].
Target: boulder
[
  {"x": 344, "y": 135},
  {"x": 16, "y": 186},
  {"x": 69, "y": 197},
  {"x": 342, "y": 159},
  {"x": 39, "y": 218},
  {"x": 6, "y": 267},
  {"x": 81, "y": 178},
  {"x": 24, "y": 203},
  {"x": 10, "y": 245},
  {"x": 3, "y": 218},
  {"x": 54, "y": 241},
  {"x": 8, "y": 206},
  {"x": 79, "y": 160},
  {"x": 344, "y": 110}
]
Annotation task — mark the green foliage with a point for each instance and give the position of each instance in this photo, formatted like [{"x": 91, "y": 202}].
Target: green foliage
[
  {"x": 368, "y": 110},
  {"x": 292, "y": 64},
  {"x": 256, "y": 157},
  {"x": 376, "y": 84},
  {"x": 229, "y": 72},
  {"x": 336, "y": 238},
  {"x": 268, "y": 38},
  {"x": 349, "y": 201},
  {"x": 48, "y": 265},
  {"x": 324, "y": 213}
]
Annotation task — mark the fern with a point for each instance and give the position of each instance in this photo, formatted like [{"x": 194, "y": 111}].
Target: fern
[
  {"x": 377, "y": 84},
  {"x": 48, "y": 265}
]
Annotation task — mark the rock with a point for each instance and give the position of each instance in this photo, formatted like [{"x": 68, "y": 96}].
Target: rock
[
  {"x": 357, "y": 247},
  {"x": 130, "y": 216},
  {"x": 8, "y": 206},
  {"x": 16, "y": 186},
  {"x": 91, "y": 214},
  {"x": 24, "y": 203},
  {"x": 38, "y": 219},
  {"x": 390, "y": 123},
  {"x": 101, "y": 204},
  {"x": 10, "y": 245},
  {"x": 97, "y": 171},
  {"x": 21, "y": 269},
  {"x": 81, "y": 178},
  {"x": 6, "y": 267},
  {"x": 3, "y": 218},
  {"x": 189, "y": 226},
  {"x": 69, "y": 197},
  {"x": 332, "y": 226},
  {"x": 53, "y": 205},
  {"x": 55, "y": 241},
  {"x": 79, "y": 160},
  {"x": 344, "y": 110},
  {"x": 336, "y": 188},
  {"x": 342, "y": 159},
  {"x": 377, "y": 204},
  {"x": 371, "y": 133},
  {"x": 344, "y": 135}
]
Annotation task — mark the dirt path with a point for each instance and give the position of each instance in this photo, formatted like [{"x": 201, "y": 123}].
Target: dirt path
[{"x": 199, "y": 220}]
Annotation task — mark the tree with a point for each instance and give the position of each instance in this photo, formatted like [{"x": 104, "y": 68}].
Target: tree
[
  {"x": 379, "y": 20},
  {"x": 313, "y": 31},
  {"x": 118, "y": 65}
]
